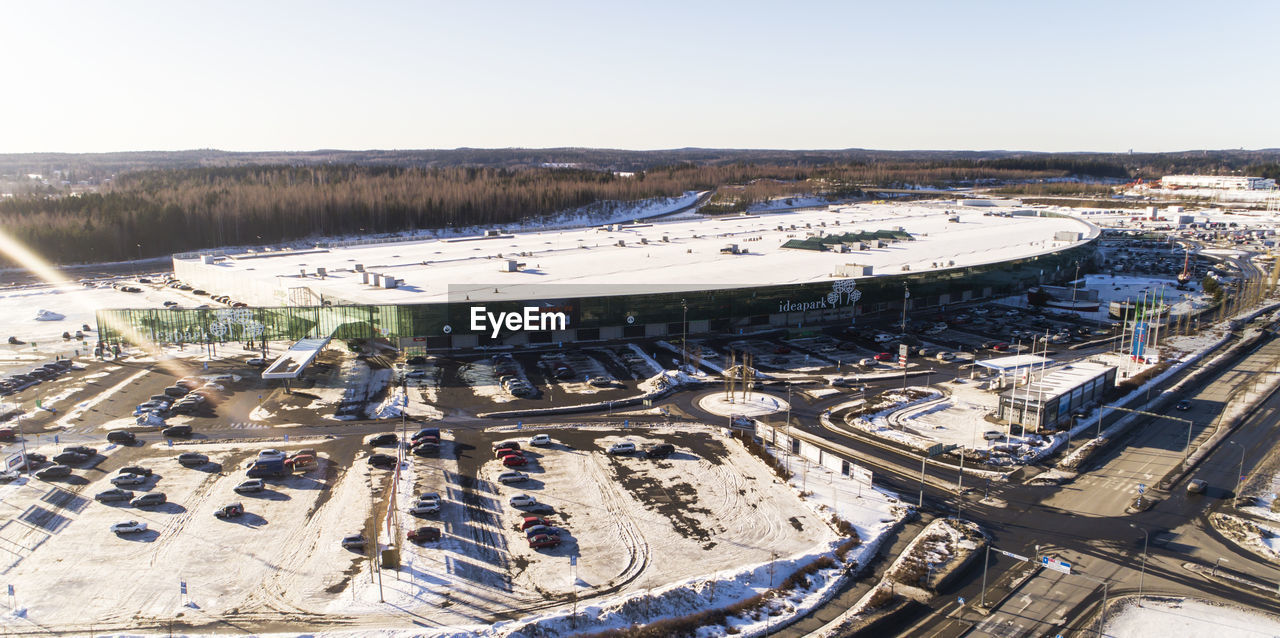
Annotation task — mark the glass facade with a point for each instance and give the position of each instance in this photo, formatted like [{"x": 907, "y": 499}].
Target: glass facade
[{"x": 595, "y": 309}]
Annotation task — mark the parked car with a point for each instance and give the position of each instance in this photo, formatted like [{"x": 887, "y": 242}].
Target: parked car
[
  {"x": 422, "y": 508},
  {"x": 946, "y": 356},
  {"x": 176, "y": 391},
  {"x": 544, "y": 540},
  {"x": 1196, "y": 486},
  {"x": 354, "y": 541},
  {"x": 9, "y": 476},
  {"x": 522, "y": 500},
  {"x": 382, "y": 460},
  {"x": 54, "y": 472},
  {"x": 80, "y": 449},
  {"x": 506, "y": 445},
  {"x": 230, "y": 510},
  {"x": 122, "y": 437},
  {"x": 176, "y": 431},
  {"x": 530, "y": 521},
  {"x": 512, "y": 477},
  {"x": 993, "y": 435},
  {"x": 624, "y": 447},
  {"x": 426, "y": 449},
  {"x": 1183, "y": 405},
  {"x": 884, "y": 356},
  {"x": 540, "y": 440},
  {"x": 114, "y": 494},
  {"x": 191, "y": 459},
  {"x": 601, "y": 382},
  {"x": 386, "y": 438},
  {"x": 150, "y": 499},
  {"x": 514, "y": 460},
  {"x": 70, "y": 458},
  {"x": 659, "y": 451},
  {"x": 258, "y": 362},
  {"x": 424, "y": 534},
  {"x": 250, "y": 486},
  {"x": 128, "y": 527},
  {"x": 128, "y": 479}
]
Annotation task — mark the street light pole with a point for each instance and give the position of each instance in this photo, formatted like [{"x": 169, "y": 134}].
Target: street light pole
[
  {"x": 1143, "y": 575},
  {"x": 1240, "y": 476},
  {"x": 684, "y": 334}
]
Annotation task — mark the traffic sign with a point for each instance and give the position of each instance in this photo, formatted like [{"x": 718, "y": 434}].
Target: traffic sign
[
  {"x": 1014, "y": 556},
  {"x": 1141, "y": 488},
  {"x": 182, "y": 587},
  {"x": 1055, "y": 564},
  {"x": 939, "y": 448}
]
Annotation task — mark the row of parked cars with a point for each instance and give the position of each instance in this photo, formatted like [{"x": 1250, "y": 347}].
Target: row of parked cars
[
  {"x": 539, "y": 531},
  {"x": 650, "y": 450},
  {"x": 186, "y": 396},
  {"x": 20, "y": 381}
]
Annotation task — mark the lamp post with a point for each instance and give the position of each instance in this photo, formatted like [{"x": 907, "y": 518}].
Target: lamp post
[
  {"x": 1143, "y": 574},
  {"x": 1240, "y": 476},
  {"x": 684, "y": 334}
]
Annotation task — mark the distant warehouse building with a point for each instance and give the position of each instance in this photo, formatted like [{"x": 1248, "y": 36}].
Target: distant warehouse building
[{"x": 1220, "y": 182}]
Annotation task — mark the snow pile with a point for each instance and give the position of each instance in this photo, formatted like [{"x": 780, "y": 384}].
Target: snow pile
[
  {"x": 1188, "y": 618},
  {"x": 398, "y": 403},
  {"x": 49, "y": 315}
]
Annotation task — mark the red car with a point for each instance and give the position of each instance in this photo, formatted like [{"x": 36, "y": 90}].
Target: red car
[
  {"x": 884, "y": 356},
  {"x": 544, "y": 540},
  {"x": 530, "y": 521},
  {"x": 514, "y": 460},
  {"x": 1000, "y": 347}
]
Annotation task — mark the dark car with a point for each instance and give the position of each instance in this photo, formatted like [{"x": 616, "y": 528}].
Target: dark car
[
  {"x": 382, "y": 460},
  {"x": 121, "y": 437},
  {"x": 35, "y": 458},
  {"x": 80, "y": 449},
  {"x": 426, "y": 449},
  {"x": 383, "y": 439},
  {"x": 114, "y": 494},
  {"x": 1183, "y": 405},
  {"x": 149, "y": 500},
  {"x": 136, "y": 469},
  {"x": 177, "y": 431},
  {"x": 424, "y": 534},
  {"x": 659, "y": 451},
  {"x": 54, "y": 471},
  {"x": 176, "y": 391},
  {"x": 70, "y": 458},
  {"x": 192, "y": 458}
]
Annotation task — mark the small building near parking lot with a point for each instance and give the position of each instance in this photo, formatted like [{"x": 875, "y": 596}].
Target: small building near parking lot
[{"x": 1047, "y": 403}]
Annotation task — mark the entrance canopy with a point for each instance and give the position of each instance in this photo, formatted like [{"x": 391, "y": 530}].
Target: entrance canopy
[
  {"x": 295, "y": 359},
  {"x": 1011, "y": 365}
]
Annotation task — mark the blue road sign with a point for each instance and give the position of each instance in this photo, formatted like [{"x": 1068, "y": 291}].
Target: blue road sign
[
  {"x": 182, "y": 586},
  {"x": 10, "y": 590},
  {"x": 286, "y": 438},
  {"x": 1141, "y": 488},
  {"x": 519, "y": 425},
  {"x": 55, "y": 439}
]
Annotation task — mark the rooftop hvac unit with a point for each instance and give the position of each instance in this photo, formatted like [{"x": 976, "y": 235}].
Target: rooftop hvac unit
[
  {"x": 377, "y": 279},
  {"x": 853, "y": 270},
  {"x": 492, "y": 233},
  {"x": 302, "y": 272},
  {"x": 390, "y": 282},
  {"x": 359, "y": 267},
  {"x": 509, "y": 265},
  {"x": 321, "y": 272},
  {"x": 666, "y": 238},
  {"x": 644, "y": 240},
  {"x": 622, "y": 242},
  {"x": 364, "y": 278},
  {"x": 206, "y": 259}
]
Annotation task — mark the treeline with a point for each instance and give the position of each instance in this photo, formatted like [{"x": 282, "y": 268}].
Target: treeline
[{"x": 160, "y": 212}]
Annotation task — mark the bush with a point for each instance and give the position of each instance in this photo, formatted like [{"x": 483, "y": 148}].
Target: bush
[{"x": 779, "y": 467}]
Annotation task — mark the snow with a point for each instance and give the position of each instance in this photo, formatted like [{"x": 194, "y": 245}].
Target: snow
[
  {"x": 1189, "y": 618},
  {"x": 438, "y": 270},
  {"x": 756, "y": 404}
]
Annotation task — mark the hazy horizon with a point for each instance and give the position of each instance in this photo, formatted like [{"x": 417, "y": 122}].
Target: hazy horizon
[{"x": 295, "y": 77}]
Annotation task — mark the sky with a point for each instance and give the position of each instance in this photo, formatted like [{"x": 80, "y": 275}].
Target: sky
[{"x": 255, "y": 76}]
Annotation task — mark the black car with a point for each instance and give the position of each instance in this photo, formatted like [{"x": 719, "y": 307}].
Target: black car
[
  {"x": 192, "y": 458},
  {"x": 122, "y": 437},
  {"x": 36, "y": 458},
  {"x": 114, "y": 494},
  {"x": 80, "y": 449},
  {"x": 54, "y": 471},
  {"x": 176, "y": 431},
  {"x": 176, "y": 391},
  {"x": 383, "y": 439},
  {"x": 659, "y": 451},
  {"x": 382, "y": 460},
  {"x": 136, "y": 469},
  {"x": 1183, "y": 405},
  {"x": 150, "y": 499},
  {"x": 70, "y": 458}
]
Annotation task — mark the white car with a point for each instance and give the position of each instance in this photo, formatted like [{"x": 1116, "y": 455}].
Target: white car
[
  {"x": 129, "y": 527},
  {"x": 625, "y": 447},
  {"x": 423, "y": 507},
  {"x": 429, "y": 498},
  {"x": 270, "y": 455},
  {"x": 522, "y": 500},
  {"x": 540, "y": 439},
  {"x": 512, "y": 477}
]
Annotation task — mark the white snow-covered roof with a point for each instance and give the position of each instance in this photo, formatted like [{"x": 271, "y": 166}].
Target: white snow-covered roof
[
  {"x": 637, "y": 255},
  {"x": 1014, "y": 362},
  {"x": 1058, "y": 381}
]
